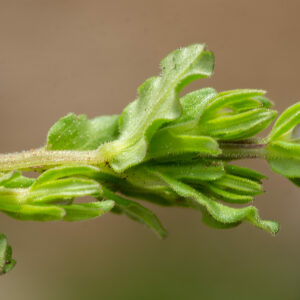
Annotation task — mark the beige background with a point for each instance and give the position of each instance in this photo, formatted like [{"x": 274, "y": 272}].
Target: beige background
[{"x": 89, "y": 57}]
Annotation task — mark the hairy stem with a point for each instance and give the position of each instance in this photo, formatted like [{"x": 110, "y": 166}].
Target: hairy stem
[
  {"x": 40, "y": 159},
  {"x": 43, "y": 159},
  {"x": 236, "y": 150}
]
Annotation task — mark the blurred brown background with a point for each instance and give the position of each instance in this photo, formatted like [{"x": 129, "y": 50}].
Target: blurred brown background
[{"x": 89, "y": 57}]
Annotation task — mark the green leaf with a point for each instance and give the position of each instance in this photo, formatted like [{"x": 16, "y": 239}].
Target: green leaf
[
  {"x": 231, "y": 115},
  {"x": 227, "y": 196},
  {"x": 79, "y": 133},
  {"x": 14, "y": 202},
  {"x": 284, "y": 158},
  {"x": 41, "y": 213},
  {"x": 160, "y": 197},
  {"x": 51, "y": 196},
  {"x": 63, "y": 189},
  {"x": 19, "y": 181},
  {"x": 194, "y": 103},
  {"x": 12, "y": 197},
  {"x": 6, "y": 260},
  {"x": 140, "y": 183},
  {"x": 64, "y": 183},
  {"x": 239, "y": 185},
  {"x": 220, "y": 212},
  {"x": 266, "y": 103},
  {"x": 166, "y": 143},
  {"x": 192, "y": 171},
  {"x": 236, "y": 100},
  {"x": 157, "y": 104},
  {"x": 136, "y": 211},
  {"x": 66, "y": 171},
  {"x": 56, "y": 186},
  {"x": 140, "y": 176},
  {"x": 15, "y": 180},
  {"x": 244, "y": 172},
  {"x": 82, "y": 171},
  {"x": 237, "y": 127},
  {"x": 288, "y": 120},
  {"x": 87, "y": 211},
  {"x": 210, "y": 221}
]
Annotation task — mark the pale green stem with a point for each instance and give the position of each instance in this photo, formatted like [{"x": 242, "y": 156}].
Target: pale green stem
[
  {"x": 233, "y": 151},
  {"x": 42, "y": 159}
]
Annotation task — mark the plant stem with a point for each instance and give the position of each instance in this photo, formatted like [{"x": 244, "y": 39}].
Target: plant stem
[
  {"x": 42, "y": 159},
  {"x": 236, "y": 150}
]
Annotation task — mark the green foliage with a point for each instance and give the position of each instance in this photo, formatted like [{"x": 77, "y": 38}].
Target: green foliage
[
  {"x": 6, "y": 260},
  {"x": 286, "y": 123},
  {"x": 156, "y": 105},
  {"x": 50, "y": 197},
  {"x": 284, "y": 144},
  {"x": 136, "y": 211},
  {"x": 162, "y": 149},
  {"x": 232, "y": 115},
  {"x": 221, "y": 213},
  {"x": 78, "y": 132}
]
